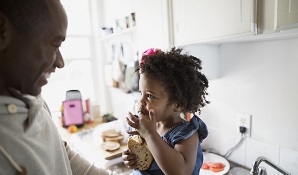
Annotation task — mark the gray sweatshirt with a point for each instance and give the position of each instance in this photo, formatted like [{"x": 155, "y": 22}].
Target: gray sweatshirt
[{"x": 29, "y": 140}]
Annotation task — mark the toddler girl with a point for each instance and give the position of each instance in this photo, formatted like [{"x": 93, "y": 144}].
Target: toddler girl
[{"x": 171, "y": 84}]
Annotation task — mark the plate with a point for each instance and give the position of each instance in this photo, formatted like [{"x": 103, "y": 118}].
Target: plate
[{"x": 211, "y": 157}]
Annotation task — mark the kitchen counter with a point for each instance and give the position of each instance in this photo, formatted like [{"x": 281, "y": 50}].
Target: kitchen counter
[
  {"x": 235, "y": 169},
  {"x": 83, "y": 142},
  {"x": 65, "y": 134},
  {"x": 230, "y": 168},
  {"x": 88, "y": 139}
]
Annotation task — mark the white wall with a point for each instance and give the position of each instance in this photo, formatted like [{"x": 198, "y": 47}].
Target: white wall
[{"x": 261, "y": 79}]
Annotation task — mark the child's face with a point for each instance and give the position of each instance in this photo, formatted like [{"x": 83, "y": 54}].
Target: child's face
[{"x": 154, "y": 96}]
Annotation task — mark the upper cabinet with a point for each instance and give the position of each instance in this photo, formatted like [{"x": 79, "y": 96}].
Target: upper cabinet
[
  {"x": 286, "y": 14},
  {"x": 198, "y": 21},
  {"x": 154, "y": 24},
  {"x": 217, "y": 21}
]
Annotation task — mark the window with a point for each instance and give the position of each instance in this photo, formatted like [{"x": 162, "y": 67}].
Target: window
[{"x": 76, "y": 51}]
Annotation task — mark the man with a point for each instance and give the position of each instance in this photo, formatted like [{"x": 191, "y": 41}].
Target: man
[{"x": 31, "y": 32}]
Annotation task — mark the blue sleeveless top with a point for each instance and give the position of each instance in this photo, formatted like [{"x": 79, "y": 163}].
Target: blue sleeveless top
[{"x": 181, "y": 131}]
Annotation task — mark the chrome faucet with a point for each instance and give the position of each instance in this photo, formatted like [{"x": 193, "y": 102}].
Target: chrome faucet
[{"x": 255, "y": 170}]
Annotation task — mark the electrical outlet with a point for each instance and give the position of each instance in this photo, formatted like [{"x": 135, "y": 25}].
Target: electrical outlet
[{"x": 244, "y": 120}]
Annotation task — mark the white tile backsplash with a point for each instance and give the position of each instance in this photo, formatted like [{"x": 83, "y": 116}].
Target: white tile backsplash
[
  {"x": 211, "y": 142},
  {"x": 249, "y": 83},
  {"x": 255, "y": 149},
  {"x": 227, "y": 141},
  {"x": 222, "y": 141},
  {"x": 289, "y": 160}
]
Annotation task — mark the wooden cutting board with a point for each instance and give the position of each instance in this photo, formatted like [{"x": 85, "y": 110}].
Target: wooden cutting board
[{"x": 108, "y": 155}]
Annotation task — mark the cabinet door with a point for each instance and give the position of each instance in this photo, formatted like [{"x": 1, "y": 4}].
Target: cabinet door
[
  {"x": 152, "y": 18},
  {"x": 206, "y": 20},
  {"x": 286, "y": 14}
]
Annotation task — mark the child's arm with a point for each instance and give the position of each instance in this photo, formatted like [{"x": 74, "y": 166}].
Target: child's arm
[{"x": 180, "y": 160}]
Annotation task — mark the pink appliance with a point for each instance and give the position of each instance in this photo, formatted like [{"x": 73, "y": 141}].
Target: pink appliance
[{"x": 73, "y": 113}]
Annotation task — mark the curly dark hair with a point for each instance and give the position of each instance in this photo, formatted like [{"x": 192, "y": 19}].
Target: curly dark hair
[{"x": 180, "y": 73}]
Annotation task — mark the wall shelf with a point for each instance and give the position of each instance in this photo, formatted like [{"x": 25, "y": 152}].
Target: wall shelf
[{"x": 119, "y": 33}]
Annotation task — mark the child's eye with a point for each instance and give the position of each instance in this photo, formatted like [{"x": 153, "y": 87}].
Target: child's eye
[{"x": 150, "y": 96}]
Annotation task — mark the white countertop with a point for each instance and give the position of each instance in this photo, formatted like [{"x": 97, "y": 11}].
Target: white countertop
[{"x": 87, "y": 143}]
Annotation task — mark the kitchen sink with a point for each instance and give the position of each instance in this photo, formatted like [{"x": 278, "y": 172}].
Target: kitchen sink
[{"x": 238, "y": 171}]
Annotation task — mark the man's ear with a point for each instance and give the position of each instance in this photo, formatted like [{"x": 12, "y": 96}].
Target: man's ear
[{"x": 4, "y": 31}]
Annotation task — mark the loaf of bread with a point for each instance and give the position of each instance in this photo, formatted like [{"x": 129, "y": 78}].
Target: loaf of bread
[{"x": 138, "y": 146}]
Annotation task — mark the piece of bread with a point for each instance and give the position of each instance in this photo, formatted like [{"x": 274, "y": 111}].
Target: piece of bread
[
  {"x": 113, "y": 139},
  {"x": 110, "y": 146},
  {"x": 111, "y": 133},
  {"x": 138, "y": 146}
]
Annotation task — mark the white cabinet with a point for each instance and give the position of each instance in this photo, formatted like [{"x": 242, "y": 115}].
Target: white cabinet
[
  {"x": 286, "y": 14},
  {"x": 200, "y": 20},
  {"x": 154, "y": 24}
]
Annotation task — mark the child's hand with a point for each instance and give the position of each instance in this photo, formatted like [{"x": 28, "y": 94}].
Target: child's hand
[
  {"x": 133, "y": 122},
  {"x": 129, "y": 159},
  {"x": 144, "y": 125},
  {"x": 147, "y": 123}
]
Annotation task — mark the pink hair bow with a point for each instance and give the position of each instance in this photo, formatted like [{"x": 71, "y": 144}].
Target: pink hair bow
[{"x": 150, "y": 51}]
